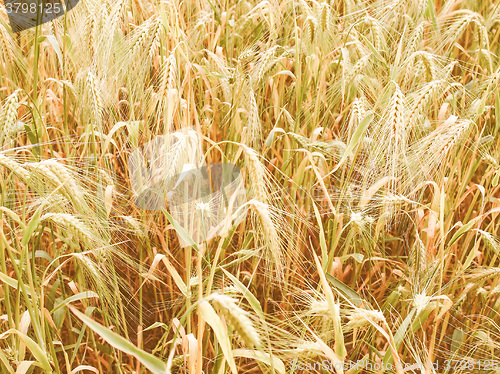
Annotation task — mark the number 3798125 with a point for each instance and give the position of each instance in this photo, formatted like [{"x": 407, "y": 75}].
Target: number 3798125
[{"x": 33, "y": 7}]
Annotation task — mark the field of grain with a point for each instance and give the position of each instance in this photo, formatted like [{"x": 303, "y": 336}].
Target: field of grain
[{"x": 366, "y": 137}]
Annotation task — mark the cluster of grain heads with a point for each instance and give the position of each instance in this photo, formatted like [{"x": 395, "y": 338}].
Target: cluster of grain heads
[
  {"x": 417, "y": 259},
  {"x": 7, "y": 46},
  {"x": 424, "y": 98},
  {"x": 434, "y": 148},
  {"x": 257, "y": 175},
  {"x": 94, "y": 96},
  {"x": 79, "y": 230},
  {"x": 270, "y": 234},
  {"x": 15, "y": 167},
  {"x": 168, "y": 74},
  {"x": 463, "y": 19},
  {"x": 253, "y": 127},
  {"x": 317, "y": 306},
  {"x": 52, "y": 172},
  {"x": 379, "y": 106},
  {"x": 13, "y": 66},
  {"x": 9, "y": 118},
  {"x": 414, "y": 42},
  {"x": 361, "y": 221},
  {"x": 51, "y": 202},
  {"x": 363, "y": 318},
  {"x": 495, "y": 166},
  {"x": 238, "y": 319},
  {"x": 146, "y": 37},
  {"x": 89, "y": 36},
  {"x": 396, "y": 131},
  {"x": 272, "y": 211}
]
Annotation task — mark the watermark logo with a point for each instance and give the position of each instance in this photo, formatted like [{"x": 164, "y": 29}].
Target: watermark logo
[
  {"x": 170, "y": 172},
  {"x": 25, "y": 14}
]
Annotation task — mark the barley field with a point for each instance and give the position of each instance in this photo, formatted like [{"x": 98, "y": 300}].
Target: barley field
[{"x": 361, "y": 233}]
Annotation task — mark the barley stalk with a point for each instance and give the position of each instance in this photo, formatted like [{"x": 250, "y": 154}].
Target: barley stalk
[
  {"x": 238, "y": 319},
  {"x": 71, "y": 223}
]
